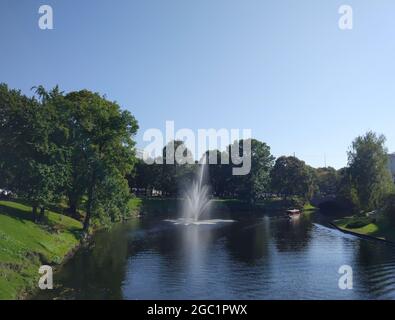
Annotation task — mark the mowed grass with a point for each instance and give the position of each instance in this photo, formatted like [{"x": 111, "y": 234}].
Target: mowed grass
[
  {"x": 25, "y": 246},
  {"x": 379, "y": 229}
]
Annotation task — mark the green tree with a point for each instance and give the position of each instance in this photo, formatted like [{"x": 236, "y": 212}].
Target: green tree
[
  {"x": 368, "y": 162},
  {"x": 346, "y": 192},
  {"x": 102, "y": 152},
  {"x": 220, "y": 174},
  {"x": 389, "y": 208},
  {"x": 327, "y": 180},
  {"x": 292, "y": 177},
  {"x": 31, "y": 136},
  {"x": 175, "y": 172},
  {"x": 254, "y": 185},
  {"x": 145, "y": 176}
]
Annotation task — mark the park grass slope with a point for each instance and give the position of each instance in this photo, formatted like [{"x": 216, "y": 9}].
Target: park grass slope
[
  {"x": 25, "y": 246},
  {"x": 379, "y": 228}
]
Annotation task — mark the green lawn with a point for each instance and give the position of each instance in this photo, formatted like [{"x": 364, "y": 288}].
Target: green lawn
[
  {"x": 309, "y": 207},
  {"x": 379, "y": 229},
  {"x": 25, "y": 246}
]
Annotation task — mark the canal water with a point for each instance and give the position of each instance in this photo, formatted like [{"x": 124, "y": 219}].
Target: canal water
[{"x": 266, "y": 257}]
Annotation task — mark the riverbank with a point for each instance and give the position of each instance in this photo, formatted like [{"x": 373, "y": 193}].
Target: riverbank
[
  {"x": 25, "y": 246},
  {"x": 377, "y": 228},
  {"x": 171, "y": 206}
]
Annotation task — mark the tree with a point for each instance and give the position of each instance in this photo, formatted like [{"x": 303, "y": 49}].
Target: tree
[
  {"x": 346, "y": 192},
  {"x": 145, "y": 176},
  {"x": 254, "y": 185},
  {"x": 389, "y": 208},
  {"x": 368, "y": 162},
  {"x": 220, "y": 174},
  {"x": 79, "y": 145},
  {"x": 292, "y": 177},
  {"x": 327, "y": 180},
  {"x": 31, "y": 136},
  {"x": 175, "y": 172},
  {"x": 102, "y": 153}
]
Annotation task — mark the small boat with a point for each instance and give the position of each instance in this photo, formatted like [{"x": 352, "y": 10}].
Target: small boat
[{"x": 293, "y": 213}]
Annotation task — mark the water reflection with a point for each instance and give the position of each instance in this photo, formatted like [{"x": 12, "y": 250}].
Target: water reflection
[
  {"x": 248, "y": 241},
  {"x": 253, "y": 258}
]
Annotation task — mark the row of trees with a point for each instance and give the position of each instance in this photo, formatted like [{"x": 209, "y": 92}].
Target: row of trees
[
  {"x": 286, "y": 177},
  {"x": 77, "y": 146},
  {"x": 168, "y": 178},
  {"x": 363, "y": 185}
]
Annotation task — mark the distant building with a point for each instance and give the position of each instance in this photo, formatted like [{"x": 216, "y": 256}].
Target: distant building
[{"x": 392, "y": 164}]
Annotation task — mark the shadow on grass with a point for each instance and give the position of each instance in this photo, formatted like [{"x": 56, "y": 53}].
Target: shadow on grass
[
  {"x": 42, "y": 220},
  {"x": 19, "y": 214}
]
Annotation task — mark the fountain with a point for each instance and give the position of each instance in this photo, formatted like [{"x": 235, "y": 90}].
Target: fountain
[{"x": 197, "y": 202}]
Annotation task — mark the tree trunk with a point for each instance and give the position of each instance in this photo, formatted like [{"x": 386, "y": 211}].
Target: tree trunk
[
  {"x": 72, "y": 210},
  {"x": 42, "y": 213},
  {"x": 89, "y": 208},
  {"x": 34, "y": 213},
  {"x": 87, "y": 221},
  {"x": 88, "y": 212}
]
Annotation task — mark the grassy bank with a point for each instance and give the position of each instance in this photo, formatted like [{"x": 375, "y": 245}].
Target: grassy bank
[
  {"x": 25, "y": 246},
  {"x": 375, "y": 227}
]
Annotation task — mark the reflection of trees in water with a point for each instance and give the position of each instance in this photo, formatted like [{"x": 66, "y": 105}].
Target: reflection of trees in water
[
  {"x": 96, "y": 272},
  {"x": 291, "y": 235},
  {"x": 374, "y": 268},
  {"x": 248, "y": 245},
  {"x": 182, "y": 249},
  {"x": 371, "y": 253},
  {"x": 248, "y": 241}
]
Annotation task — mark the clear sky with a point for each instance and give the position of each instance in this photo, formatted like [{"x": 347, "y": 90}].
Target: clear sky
[{"x": 281, "y": 68}]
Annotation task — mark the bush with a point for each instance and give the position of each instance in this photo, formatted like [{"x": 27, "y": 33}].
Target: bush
[{"x": 360, "y": 222}]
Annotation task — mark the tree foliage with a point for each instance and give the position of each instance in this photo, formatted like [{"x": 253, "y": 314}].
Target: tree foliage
[
  {"x": 78, "y": 145},
  {"x": 292, "y": 177},
  {"x": 370, "y": 177}
]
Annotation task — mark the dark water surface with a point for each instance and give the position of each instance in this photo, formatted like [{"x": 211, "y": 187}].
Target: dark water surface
[{"x": 252, "y": 258}]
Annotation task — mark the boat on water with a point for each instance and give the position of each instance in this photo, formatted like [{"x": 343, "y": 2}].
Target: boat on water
[{"x": 293, "y": 213}]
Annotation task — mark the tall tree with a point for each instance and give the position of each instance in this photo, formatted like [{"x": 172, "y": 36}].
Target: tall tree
[
  {"x": 292, "y": 177},
  {"x": 145, "y": 176},
  {"x": 254, "y": 185},
  {"x": 220, "y": 174},
  {"x": 327, "y": 180},
  {"x": 175, "y": 172},
  {"x": 370, "y": 175},
  {"x": 102, "y": 150},
  {"x": 31, "y": 138}
]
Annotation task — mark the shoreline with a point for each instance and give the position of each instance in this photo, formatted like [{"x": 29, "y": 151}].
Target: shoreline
[
  {"x": 57, "y": 268},
  {"x": 361, "y": 235},
  {"x": 25, "y": 245},
  {"x": 28, "y": 294}
]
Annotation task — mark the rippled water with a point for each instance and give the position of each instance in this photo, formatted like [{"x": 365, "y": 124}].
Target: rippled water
[{"x": 251, "y": 258}]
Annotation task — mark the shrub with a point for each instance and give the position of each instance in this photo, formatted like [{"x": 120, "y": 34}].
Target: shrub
[{"x": 360, "y": 222}]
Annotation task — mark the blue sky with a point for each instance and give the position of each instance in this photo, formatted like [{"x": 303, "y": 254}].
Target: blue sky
[{"x": 281, "y": 68}]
